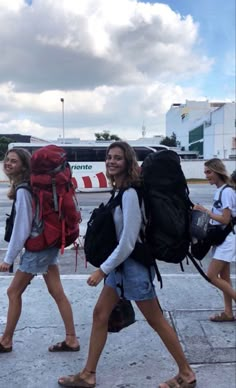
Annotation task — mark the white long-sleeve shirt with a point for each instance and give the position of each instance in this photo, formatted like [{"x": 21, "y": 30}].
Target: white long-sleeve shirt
[
  {"x": 127, "y": 223},
  {"x": 22, "y": 225}
]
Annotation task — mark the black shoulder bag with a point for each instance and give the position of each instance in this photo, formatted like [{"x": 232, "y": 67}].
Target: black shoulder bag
[
  {"x": 122, "y": 316},
  {"x": 9, "y": 223},
  {"x": 10, "y": 218},
  {"x": 207, "y": 234}
]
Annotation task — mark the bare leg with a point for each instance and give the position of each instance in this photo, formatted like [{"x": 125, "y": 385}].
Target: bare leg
[
  {"x": 105, "y": 304},
  {"x": 215, "y": 269},
  {"x": 153, "y": 314},
  {"x": 225, "y": 275},
  {"x": 15, "y": 291},
  {"x": 55, "y": 288}
]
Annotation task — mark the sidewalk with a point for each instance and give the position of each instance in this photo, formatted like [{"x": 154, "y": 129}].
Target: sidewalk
[{"x": 133, "y": 358}]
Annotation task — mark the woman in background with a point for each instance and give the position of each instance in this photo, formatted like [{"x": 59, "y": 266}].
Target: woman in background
[{"x": 225, "y": 253}]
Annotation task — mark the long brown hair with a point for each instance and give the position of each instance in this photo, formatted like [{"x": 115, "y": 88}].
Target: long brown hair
[
  {"x": 24, "y": 175},
  {"x": 133, "y": 170}
]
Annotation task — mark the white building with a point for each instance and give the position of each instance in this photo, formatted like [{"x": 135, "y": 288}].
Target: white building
[{"x": 206, "y": 127}]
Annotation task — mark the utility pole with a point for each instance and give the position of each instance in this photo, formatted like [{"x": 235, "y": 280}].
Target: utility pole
[
  {"x": 143, "y": 130},
  {"x": 63, "y": 123}
]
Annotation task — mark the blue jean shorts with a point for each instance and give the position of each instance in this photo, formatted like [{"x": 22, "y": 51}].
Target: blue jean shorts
[
  {"x": 38, "y": 262},
  {"x": 136, "y": 281}
]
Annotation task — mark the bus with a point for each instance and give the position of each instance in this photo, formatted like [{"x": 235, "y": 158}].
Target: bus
[
  {"x": 183, "y": 154},
  {"x": 87, "y": 160}
]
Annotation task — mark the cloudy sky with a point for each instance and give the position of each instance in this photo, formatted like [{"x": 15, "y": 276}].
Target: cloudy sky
[{"x": 118, "y": 64}]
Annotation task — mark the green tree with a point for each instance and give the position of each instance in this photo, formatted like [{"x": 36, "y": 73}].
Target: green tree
[
  {"x": 170, "y": 141},
  {"x": 105, "y": 135},
  {"x": 4, "y": 141}
]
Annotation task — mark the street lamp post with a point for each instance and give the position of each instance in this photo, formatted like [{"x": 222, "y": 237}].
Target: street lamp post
[{"x": 63, "y": 126}]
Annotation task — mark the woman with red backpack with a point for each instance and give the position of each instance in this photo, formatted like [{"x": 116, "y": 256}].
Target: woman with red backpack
[{"x": 17, "y": 167}]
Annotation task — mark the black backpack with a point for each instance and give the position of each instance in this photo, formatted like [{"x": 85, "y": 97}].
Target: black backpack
[
  {"x": 233, "y": 176},
  {"x": 168, "y": 207},
  {"x": 11, "y": 217},
  {"x": 168, "y": 211},
  {"x": 100, "y": 237}
]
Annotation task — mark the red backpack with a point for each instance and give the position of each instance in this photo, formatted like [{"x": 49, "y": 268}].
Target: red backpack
[{"x": 56, "y": 209}]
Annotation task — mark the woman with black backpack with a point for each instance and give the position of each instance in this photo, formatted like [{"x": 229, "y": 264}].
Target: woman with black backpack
[
  {"x": 221, "y": 214},
  {"x": 124, "y": 174}
]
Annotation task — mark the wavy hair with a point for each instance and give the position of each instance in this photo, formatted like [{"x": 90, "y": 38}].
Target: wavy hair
[
  {"x": 24, "y": 175},
  {"x": 216, "y": 165},
  {"x": 132, "y": 177}
]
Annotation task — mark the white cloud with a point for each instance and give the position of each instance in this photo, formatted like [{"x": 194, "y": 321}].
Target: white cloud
[
  {"x": 12, "y": 5},
  {"x": 115, "y": 63},
  {"x": 229, "y": 63}
]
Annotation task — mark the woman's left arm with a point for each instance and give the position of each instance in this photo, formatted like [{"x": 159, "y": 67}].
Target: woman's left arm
[
  {"x": 223, "y": 218},
  {"x": 227, "y": 200}
]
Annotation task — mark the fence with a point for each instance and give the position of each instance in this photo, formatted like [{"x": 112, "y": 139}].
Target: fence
[{"x": 193, "y": 169}]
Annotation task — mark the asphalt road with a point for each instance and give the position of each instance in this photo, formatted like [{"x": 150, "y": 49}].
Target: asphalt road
[{"x": 201, "y": 193}]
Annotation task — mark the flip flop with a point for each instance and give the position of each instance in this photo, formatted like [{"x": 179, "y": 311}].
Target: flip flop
[
  {"x": 5, "y": 350},
  {"x": 63, "y": 347},
  {"x": 222, "y": 317},
  {"x": 74, "y": 381},
  {"x": 179, "y": 382}
]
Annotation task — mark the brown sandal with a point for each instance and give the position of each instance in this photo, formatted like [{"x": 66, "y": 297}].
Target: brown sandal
[
  {"x": 179, "y": 382},
  {"x": 63, "y": 347},
  {"x": 75, "y": 381},
  {"x": 222, "y": 317},
  {"x": 3, "y": 349}
]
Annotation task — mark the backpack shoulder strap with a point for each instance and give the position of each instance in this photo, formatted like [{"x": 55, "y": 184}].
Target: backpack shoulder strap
[
  {"x": 140, "y": 193},
  {"x": 230, "y": 227},
  {"x": 218, "y": 202},
  {"x": 13, "y": 210},
  {"x": 220, "y": 195},
  {"x": 197, "y": 266},
  {"x": 116, "y": 200},
  {"x": 24, "y": 185}
]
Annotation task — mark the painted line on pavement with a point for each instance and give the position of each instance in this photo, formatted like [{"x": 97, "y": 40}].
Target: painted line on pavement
[{"x": 85, "y": 276}]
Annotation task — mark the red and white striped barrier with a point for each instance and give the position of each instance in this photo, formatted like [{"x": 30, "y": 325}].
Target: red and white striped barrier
[{"x": 97, "y": 181}]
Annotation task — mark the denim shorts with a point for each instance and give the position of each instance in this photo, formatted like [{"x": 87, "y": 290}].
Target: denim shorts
[
  {"x": 38, "y": 262},
  {"x": 136, "y": 281}
]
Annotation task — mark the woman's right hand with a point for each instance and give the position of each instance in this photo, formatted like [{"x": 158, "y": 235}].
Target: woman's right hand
[
  {"x": 96, "y": 277},
  {"x": 200, "y": 207},
  {"x": 4, "y": 267}
]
